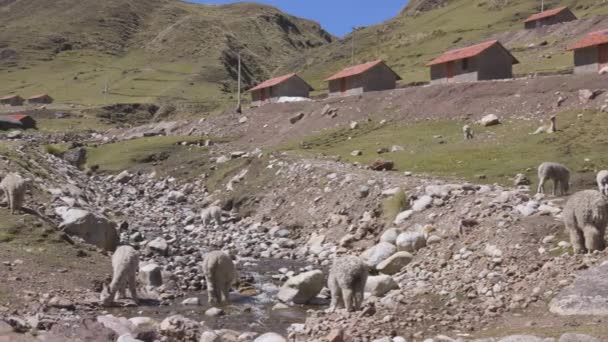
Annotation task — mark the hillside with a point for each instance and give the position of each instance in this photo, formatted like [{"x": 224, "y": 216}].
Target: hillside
[
  {"x": 145, "y": 50},
  {"x": 426, "y": 28}
]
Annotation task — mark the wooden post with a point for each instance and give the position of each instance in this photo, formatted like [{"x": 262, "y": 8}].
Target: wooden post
[
  {"x": 238, "y": 105},
  {"x": 542, "y": 5}
]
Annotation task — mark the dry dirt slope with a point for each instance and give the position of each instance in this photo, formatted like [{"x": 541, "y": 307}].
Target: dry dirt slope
[{"x": 144, "y": 49}]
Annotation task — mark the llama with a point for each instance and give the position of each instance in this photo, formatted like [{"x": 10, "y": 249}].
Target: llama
[
  {"x": 558, "y": 173},
  {"x": 14, "y": 187},
  {"x": 585, "y": 217},
  {"x": 347, "y": 278},
  {"x": 220, "y": 273},
  {"x": 125, "y": 263}
]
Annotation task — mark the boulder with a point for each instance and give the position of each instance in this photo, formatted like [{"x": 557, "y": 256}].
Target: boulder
[
  {"x": 296, "y": 118},
  {"x": 521, "y": 179},
  {"x": 270, "y": 337},
  {"x": 489, "y": 120},
  {"x": 127, "y": 338},
  {"x": 158, "y": 246},
  {"x": 390, "y": 235},
  {"x": 382, "y": 165},
  {"x": 302, "y": 288},
  {"x": 378, "y": 253},
  {"x": 379, "y": 285},
  {"x": 120, "y": 325},
  {"x": 123, "y": 177},
  {"x": 403, "y": 216},
  {"x": 422, "y": 203},
  {"x": 411, "y": 241},
  {"x": 210, "y": 336},
  {"x": 395, "y": 263},
  {"x": 587, "y": 295},
  {"x": 180, "y": 328},
  {"x": 525, "y": 338},
  {"x": 92, "y": 228},
  {"x": 144, "y": 328},
  {"x": 150, "y": 275},
  {"x": 76, "y": 156}
]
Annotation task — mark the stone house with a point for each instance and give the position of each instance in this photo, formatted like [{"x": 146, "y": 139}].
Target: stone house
[
  {"x": 485, "y": 61},
  {"x": 358, "y": 79},
  {"x": 284, "y": 86}
]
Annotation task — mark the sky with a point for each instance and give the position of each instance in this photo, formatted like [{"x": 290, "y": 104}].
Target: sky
[{"x": 336, "y": 16}]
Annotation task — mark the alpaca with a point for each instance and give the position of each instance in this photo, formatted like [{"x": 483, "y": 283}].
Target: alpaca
[
  {"x": 125, "y": 263},
  {"x": 552, "y": 128},
  {"x": 14, "y": 187},
  {"x": 212, "y": 214},
  {"x": 347, "y": 278},
  {"x": 467, "y": 131},
  {"x": 220, "y": 273},
  {"x": 558, "y": 173},
  {"x": 602, "y": 182},
  {"x": 585, "y": 217}
]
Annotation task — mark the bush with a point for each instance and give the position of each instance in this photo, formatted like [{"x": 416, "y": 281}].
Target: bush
[{"x": 392, "y": 206}]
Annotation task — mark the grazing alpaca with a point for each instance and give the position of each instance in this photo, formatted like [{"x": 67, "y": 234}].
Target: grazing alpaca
[
  {"x": 586, "y": 216},
  {"x": 558, "y": 173},
  {"x": 346, "y": 282},
  {"x": 125, "y": 263}
]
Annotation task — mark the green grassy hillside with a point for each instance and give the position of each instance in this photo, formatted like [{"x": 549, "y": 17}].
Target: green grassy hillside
[
  {"x": 413, "y": 38},
  {"x": 144, "y": 50}
]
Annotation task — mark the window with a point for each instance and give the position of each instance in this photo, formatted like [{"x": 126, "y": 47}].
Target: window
[{"x": 465, "y": 64}]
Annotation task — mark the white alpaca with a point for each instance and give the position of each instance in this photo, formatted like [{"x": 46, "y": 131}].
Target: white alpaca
[
  {"x": 346, "y": 281},
  {"x": 219, "y": 273},
  {"x": 602, "y": 182},
  {"x": 585, "y": 217},
  {"x": 14, "y": 187},
  {"x": 467, "y": 131},
  {"x": 212, "y": 214},
  {"x": 558, "y": 173},
  {"x": 125, "y": 263},
  {"x": 552, "y": 128}
]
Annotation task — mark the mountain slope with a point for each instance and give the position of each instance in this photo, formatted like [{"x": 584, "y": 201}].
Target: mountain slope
[
  {"x": 426, "y": 28},
  {"x": 144, "y": 50}
]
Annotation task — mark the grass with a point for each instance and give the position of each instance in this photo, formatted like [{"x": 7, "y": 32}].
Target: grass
[
  {"x": 126, "y": 154},
  {"x": 393, "y": 205},
  {"x": 497, "y": 152},
  {"x": 56, "y": 149}
]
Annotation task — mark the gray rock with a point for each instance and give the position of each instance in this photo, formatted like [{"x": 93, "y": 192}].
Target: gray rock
[
  {"x": 403, "y": 216},
  {"x": 378, "y": 253},
  {"x": 210, "y": 336},
  {"x": 127, "y": 338},
  {"x": 76, "y": 156},
  {"x": 395, "y": 263},
  {"x": 270, "y": 337},
  {"x": 422, "y": 203},
  {"x": 410, "y": 241},
  {"x": 191, "y": 301},
  {"x": 150, "y": 275},
  {"x": 302, "y": 288},
  {"x": 489, "y": 120},
  {"x": 180, "y": 328},
  {"x": 120, "y": 325},
  {"x": 144, "y": 328},
  {"x": 92, "y": 228},
  {"x": 214, "y": 312},
  {"x": 363, "y": 191},
  {"x": 588, "y": 294},
  {"x": 158, "y": 246},
  {"x": 379, "y": 285},
  {"x": 525, "y": 338},
  {"x": 123, "y": 177},
  {"x": 390, "y": 235},
  {"x": 294, "y": 119}
]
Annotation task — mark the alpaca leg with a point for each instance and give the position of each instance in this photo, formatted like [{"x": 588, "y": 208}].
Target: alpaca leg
[
  {"x": 594, "y": 241},
  {"x": 553, "y": 191},
  {"x": 133, "y": 287},
  {"x": 226, "y": 293},
  {"x": 211, "y": 292},
  {"x": 541, "y": 186},
  {"x": 11, "y": 202},
  {"x": 577, "y": 240},
  {"x": 347, "y": 295}
]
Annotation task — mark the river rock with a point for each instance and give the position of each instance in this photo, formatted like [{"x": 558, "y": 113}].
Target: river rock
[
  {"x": 422, "y": 203},
  {"x": 588, "y": 294},
  {"x": 301, "y": 288},
  {"x": 158, "y": 246},
  {"x": 210, "y": 336},
  {"x": 525, "y": 338},
  {"x": 270, "y": 337},
  {"x": 151, "y": 275},
  {"x": 92, "y": 228},
  {"x": 120, "y": 325},
  {"x": 180, "y": 328},
  {"x": 127, "y": 338},
  {"x": 123, "y": 177},
  {"x": 395, "y": 263},
  {"x": 76, "y": 156},
  {"x": 214, "y": 312},
  {"x": 390, "y": 236},
  {"x": 144, "y": 328},
  {"x": 379, "y": 285},
  {"x": 378, "y": 253},
  {"x": 410, "y": 241}
]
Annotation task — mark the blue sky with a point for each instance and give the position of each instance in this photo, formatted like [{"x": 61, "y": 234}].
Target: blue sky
[{"x": 336, "y": 16}]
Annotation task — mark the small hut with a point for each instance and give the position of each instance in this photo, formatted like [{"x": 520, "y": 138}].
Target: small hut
[
  {"x": 17, "y": 121},
  {"x": 485, "y": 61},
  {"x": 550, "y": 17},
  {"x": 12, "y": 100},
  {"x": 284, "y": 86},
  {"x": 40, "y": 99},
  {"x": 591, "y": 53},
  {"x": 358, "y": 79}
]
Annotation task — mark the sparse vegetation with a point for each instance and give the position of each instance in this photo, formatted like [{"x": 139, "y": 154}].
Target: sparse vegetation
[{"x": 394, "y": 205}]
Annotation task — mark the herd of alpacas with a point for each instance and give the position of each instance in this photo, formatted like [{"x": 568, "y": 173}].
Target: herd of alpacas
[{"x": 585, "y": 216}]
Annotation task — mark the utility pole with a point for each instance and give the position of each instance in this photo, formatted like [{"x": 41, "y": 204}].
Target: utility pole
[
  {"x": 238, "y": 105},
  {"x": 542, "y": 5}
]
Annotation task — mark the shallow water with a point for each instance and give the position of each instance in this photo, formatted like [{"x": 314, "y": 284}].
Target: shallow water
[{"x": 243, "y": 313}]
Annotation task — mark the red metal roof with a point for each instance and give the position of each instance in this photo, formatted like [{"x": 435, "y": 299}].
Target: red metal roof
[
  {"x": 17, "y": 116},
  {"x": 591, "y": 39},
  {"x": 275, "y": 81},
  {"x": 37, "y": 96},
  {"x": 545, "y": 14},
  {"x": 467, "y": 52},
  {"x": 357, "y": 70},
  {"x": 9, "y": 97}
]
